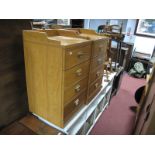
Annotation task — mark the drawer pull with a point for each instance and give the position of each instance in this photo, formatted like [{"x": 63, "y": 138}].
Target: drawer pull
[
  {"x": 96, "y": 85},
  {"x": 98, "y": 74},
  {"x": 77, "y": 88},
  {"x": 99, "y": 61},
  {"x": 70, "y": 53},
  {"x": 80, "y": 54},
  {"x": 76, "y": 102},
  {"x": 79, "y": 72}
]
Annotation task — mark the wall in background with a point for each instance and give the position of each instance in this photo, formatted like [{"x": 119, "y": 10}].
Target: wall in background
[
  {"x": 130, "y": 28},
  {"x": 141, "y": 44},
  {"x": 94, "y": 23},
  {"x": 144, "y": 45}
]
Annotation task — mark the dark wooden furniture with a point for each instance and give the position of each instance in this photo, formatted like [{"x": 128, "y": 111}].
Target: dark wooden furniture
[
  {"x": 115, "y": 34},
  {"x": 117, "y": 81},
  {"x": 77, "y": 23},
  {"x": 128, "y": 55},
  {"x": 29, "y": 125},
  {"x": 123, "y": 56},
  {"x": 110, "y": 28},
  {"x": 13, "y": 97},
  {"x": 146, "y": 114}
]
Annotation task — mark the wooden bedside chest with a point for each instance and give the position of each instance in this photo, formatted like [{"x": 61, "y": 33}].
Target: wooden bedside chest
[
  {"x": 57, "y": 69},
  {"x": 98, "y": 58},
  {"x": 64, "y": 71}
]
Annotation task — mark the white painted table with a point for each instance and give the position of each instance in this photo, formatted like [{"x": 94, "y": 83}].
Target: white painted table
[{"x": 85, "y": 119}]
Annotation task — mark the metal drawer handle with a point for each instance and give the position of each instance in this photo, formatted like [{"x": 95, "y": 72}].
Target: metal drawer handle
[
  {"x": 70, "y": 53},
  {"x": 98, "y": 74},
  {"x": 76, "y": 102},
  {"x": 79, "y": 72},
  {"x": 96, "y": 85},
  {"x": 77, "y": 88},
  {"x": 80, "y": 54}
]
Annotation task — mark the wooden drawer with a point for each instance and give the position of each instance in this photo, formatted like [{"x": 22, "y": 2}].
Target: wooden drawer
[
  {"x": 97, "y": 73},
  {"x": 76, "y": 56},
  {"x": 95, "y": 87},
  {"x": 75, "y": 90},
  {"x": 71, "y": 108},
  {"x": 75, "y": 74},
  {"x": 99, "y": 48},
  {"x": 96, "y": 62}
]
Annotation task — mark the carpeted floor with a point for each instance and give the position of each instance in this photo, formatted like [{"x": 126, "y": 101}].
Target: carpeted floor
[{"x": 118, "y": 119}]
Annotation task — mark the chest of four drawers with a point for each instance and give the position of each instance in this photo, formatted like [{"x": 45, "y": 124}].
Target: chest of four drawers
[{"x": 76, "y": 75}]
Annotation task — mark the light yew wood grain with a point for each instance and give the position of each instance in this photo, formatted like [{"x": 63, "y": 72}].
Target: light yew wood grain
[
  {"x": 77, "y": 73},
  {"x": 44, "y": 80},
  {"x": 95, "y": 86},
  {"x": 97, "y": 73},
  {"x": 74, "y": 105},
  {"x": 75, "y": 90},
  {"x": 76, "y": 56},
  {"x": 45, "y": 75},
  {"x": 98, "y": 58}
]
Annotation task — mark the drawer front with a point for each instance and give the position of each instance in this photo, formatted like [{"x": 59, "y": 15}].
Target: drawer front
[
  {"x": 96, "y": 62},
  {"x": 75, "y": 90},
  {"x": 76, "y": 74},
  {"x": 71, "y": 108},
  {"x": 99, "y": 48},
  {"x": 76, "y": 56},
  {"x": 95, "y": 87},
  {"x": 97, "y": 73}
]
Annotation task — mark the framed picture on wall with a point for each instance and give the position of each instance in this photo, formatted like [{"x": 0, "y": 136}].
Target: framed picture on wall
[{"x": 145, "y": 27}]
